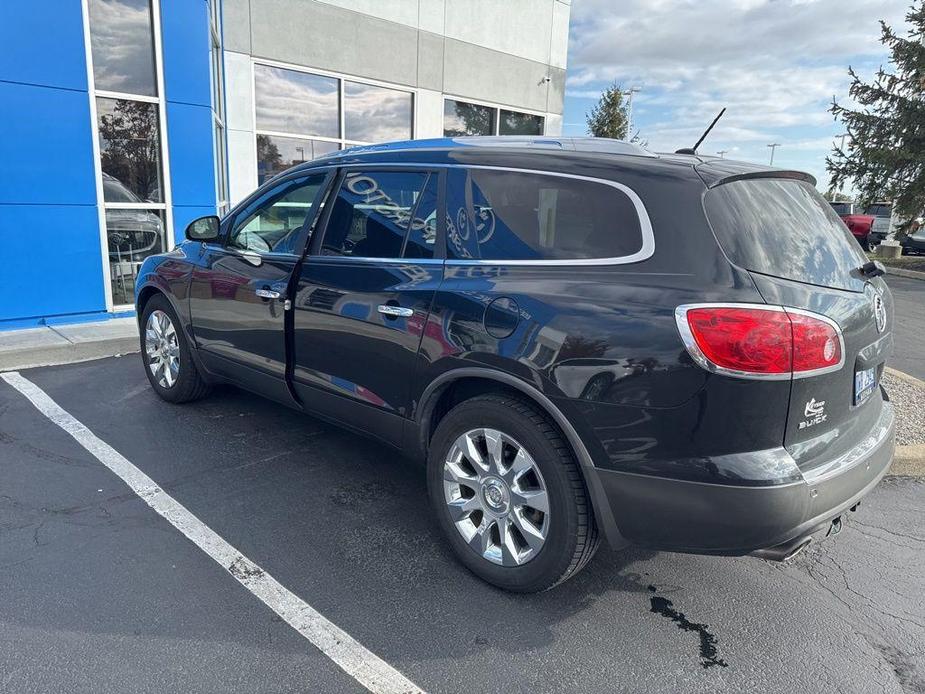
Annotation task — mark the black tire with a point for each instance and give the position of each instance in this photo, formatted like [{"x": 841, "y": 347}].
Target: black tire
[
  {"x": 572, "y": 536},
  {"x": 189, "y": 384}
]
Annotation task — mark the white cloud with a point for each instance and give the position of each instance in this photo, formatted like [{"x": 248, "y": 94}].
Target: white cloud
[{"x": 774, "y": 64}]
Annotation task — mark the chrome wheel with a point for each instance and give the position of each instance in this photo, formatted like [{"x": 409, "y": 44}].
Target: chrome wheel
[
  {"x": 496, "y": 496},
  {"x": 162, "y": 348}
]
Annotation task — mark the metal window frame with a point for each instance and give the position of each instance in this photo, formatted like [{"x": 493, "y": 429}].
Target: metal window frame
[
  {"x": 341, "y": 140},
  {"x": 498, "y": 108},
  {"x": 92, "y": 93}
]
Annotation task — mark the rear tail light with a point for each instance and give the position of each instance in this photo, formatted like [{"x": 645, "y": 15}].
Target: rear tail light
[{"x": 756, "y": 341}]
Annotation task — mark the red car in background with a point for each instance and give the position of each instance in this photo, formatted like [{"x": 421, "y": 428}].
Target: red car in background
[{"x": 858, "y": 224}]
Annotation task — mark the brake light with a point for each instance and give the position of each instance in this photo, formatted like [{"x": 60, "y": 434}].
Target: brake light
[{"x": 754, "y": 341}]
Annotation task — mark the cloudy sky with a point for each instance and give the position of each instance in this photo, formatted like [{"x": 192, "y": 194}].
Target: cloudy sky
[{"x": 775, "y": 65}]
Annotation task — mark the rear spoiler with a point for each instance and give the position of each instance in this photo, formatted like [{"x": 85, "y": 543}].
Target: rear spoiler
[{"x": 714, "y": 176}]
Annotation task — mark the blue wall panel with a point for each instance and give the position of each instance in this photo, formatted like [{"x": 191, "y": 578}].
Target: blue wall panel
[
  {"x": 41, "y": 42},
  {"x": 51, "y": 261},
  {"x": 182, "y": 216},
  {"x": 46, "y": 151},
  {"x": 185, "y": 40},
  {"x": 192, "y": 168}
]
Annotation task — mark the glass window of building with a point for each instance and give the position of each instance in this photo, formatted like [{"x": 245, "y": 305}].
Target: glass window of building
[
  {"x": 122, "y": 45},
  {"x": 514, "y": 123},
  {"x": 376, "y": 114},
  {"x": 301, "y": 116},
  {"x": 218, "y": 109},
  {"x": 129, "y": 129},
  {"x": 461, "y": 118}
]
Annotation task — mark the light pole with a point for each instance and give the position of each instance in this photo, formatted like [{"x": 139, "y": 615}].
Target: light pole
[
  {"x": 629, "y": 110},
  {"x": 722, "y": 153},
  {"x": 842, "y": 136},
  {"x": 301, "y": 151},
  {"x": 773, "y": 146}
]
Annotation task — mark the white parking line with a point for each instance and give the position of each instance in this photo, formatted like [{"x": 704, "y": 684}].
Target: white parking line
[{"x": 353, "y": 658}]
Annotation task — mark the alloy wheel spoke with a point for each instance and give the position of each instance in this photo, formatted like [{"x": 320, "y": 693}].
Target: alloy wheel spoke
[
  {"x": 471, "y": 449},
  {"x": 462, "y": 508},
  {"x": 533, "y": 498},
  {"x": 533, "y": 535},
  {"x": 509, "y": 552},
  {"x": 495, "y": 445},
  {"x": 522, "y": 463},
  {"x": 482, "y": 537}
]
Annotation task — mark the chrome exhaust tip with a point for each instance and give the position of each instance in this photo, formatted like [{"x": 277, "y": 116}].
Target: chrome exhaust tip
[{"x": 783, "y": 552}]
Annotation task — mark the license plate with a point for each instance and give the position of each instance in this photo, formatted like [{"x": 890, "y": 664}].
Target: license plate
[{"x": 864, "y": 383}]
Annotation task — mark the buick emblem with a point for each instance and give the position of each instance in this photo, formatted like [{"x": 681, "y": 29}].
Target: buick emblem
[{"x": 879, "y": 312}]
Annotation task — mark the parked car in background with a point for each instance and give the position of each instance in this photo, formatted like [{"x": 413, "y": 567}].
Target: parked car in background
[
  {"x": 858, "y": 224},
  {"x": 882, "y": 213},
  {"x": 578, "y": 338},
  {"x": 914, "y": 243}
]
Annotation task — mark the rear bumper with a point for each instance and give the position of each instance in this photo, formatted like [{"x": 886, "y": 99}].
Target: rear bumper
[{"x": 685, "y": 516}]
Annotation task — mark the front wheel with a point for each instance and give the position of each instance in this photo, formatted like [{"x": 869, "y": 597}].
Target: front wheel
[
  {"x": 509, "y": 495},
  {"x": 166, "y": 354}
]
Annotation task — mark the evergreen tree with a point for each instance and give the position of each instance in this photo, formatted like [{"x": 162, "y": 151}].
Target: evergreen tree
[
  {"x": 886, "y": 155},
  {"x": 608, "y": 118}
]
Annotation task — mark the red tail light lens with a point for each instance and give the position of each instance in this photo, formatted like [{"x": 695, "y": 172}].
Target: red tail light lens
[
  {"x": 749, "y": 341},
  {"x": 816, "y": 343}
]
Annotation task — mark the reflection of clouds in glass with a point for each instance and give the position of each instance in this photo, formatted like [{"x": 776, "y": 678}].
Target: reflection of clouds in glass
[
  {"x": 275, "y": 154},
  {"x": 122, "y": 46},
  {"x": 461, "y": 118},
  {"x": 376, "y": 114},
  {"x": 514, "y": 123},
  {"x": 296, "y": 102},
  {"x": 784, "y": 228}
]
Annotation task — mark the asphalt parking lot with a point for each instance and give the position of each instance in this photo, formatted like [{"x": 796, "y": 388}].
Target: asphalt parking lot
[
  {"x": 99, "y": 592},
  {"x": 909, "y": 300}
]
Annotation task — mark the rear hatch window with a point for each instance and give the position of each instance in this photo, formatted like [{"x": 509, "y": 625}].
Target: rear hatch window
[{"x": 784, "y": 228}]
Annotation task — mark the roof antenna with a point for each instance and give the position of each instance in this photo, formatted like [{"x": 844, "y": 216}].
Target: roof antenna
[{"x": 693, "y": 150}]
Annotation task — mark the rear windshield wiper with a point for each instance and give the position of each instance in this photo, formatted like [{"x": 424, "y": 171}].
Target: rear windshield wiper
[{"x": 873, "y": 268}]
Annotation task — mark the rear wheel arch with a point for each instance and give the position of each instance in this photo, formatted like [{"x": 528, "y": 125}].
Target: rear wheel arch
[{"x": 458, "y": 385}]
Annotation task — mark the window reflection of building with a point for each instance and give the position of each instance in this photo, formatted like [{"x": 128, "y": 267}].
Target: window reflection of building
[
  {"x": 299, "y": 116},
  {"x": 127, "y": 104},
  {"x": 463, "y": 118}
]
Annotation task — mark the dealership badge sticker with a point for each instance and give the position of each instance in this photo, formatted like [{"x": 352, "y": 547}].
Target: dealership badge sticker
[{"x": 814, "y": 412}]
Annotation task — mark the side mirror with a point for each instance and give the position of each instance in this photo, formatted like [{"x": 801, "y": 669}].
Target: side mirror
[{"x": 203, "y": 229}]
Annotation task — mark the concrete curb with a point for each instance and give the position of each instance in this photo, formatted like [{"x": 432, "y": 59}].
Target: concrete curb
[
  {"x": 66, "y": 344},
  {"x": 55, "y": 355},
  {"x": 899, "y": 272},
  {"x": 909, "y": 461}
]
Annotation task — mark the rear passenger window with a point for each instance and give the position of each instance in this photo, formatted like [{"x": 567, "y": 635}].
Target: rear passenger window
[
  {"x": 527, "y": 216},
  {"x": 383, "y": 214}
]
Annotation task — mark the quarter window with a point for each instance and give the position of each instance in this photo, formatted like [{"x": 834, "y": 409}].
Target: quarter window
[
  {"x": 375, "y": 211},
  {"x": 526, "y": 216},
  {"x": 273, "y": 222}
]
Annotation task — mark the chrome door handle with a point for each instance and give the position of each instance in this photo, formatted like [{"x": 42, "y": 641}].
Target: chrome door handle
[
  {"x": 267, "y": 294},
  {"x": 395, "y": 311}
]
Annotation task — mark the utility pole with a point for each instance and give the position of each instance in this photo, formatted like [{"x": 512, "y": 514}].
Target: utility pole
[
  {"x": 842, "y": 136},
  {"x": 629, "y": 110},
  {"x": 773, "y": 146},
  {"x": 722, "y": 153}
]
